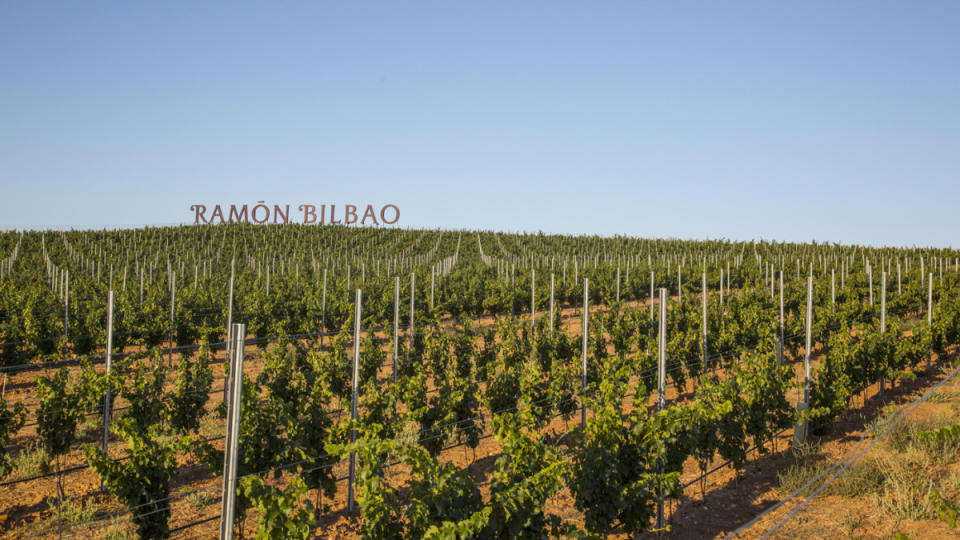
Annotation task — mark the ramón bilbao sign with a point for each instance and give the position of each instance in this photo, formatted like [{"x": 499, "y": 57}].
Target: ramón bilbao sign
[{"x": 308, "y": 214}]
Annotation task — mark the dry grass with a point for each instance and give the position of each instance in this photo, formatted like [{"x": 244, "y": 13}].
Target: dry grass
[
  {"x": 864, "y": 477},
  {"x": 907, "y": 487},
  {"x": 31, "y": 461}
]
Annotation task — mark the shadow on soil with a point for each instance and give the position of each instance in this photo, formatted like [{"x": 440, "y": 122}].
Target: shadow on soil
[{"x": 734, "y": 503}]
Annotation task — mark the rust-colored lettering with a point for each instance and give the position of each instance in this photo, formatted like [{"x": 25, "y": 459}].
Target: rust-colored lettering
[
  {"x": 351, "y": 212},
  {"x": 238, "y": 217},
  {"x": 277, "y": 212},
  {"x": 217, "y": 213},
  {"x": 266, "y": 210},
  {"x": 199, "y": 210},
  {"x": 369, "y": 213},
  {"x": 383, "y": 214},
  {"x": 260, "y": 214},
  {"x": 309, "y": 213}
]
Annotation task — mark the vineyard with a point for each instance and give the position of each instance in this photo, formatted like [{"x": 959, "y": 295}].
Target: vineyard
[{"x": 304, "y": 381}]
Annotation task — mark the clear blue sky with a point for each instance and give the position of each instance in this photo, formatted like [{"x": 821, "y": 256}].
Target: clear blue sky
[{"x": 836, "y": 121}]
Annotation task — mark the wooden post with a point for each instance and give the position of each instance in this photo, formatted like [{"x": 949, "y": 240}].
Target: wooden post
[
  {"x": 651, "y": 296},
  {"x": 661, "y": 385},
  {"x": 230, "y": 343},
  {"x": 679, "y": 286},
  {"x": 883, "y": 313},
  {"x": 899, "y": 287},
  {"x": 533, "y": 300},
  {"x": 772, "y": 272},
  {"x": 396, "y": 324},
  {"x": 108, "y": 361},
  {"x": 662, "y": 351},
  {"x": 883, "y": 302},
  {"x": 929, "y": 312},
  {"x": 806, "y": 358},
  {"x": 353, "y": 401},
  {"x": 705, "y": 363},
  {"x": 626, "y": 279},
  {"x": 922, "y": 272},
  {"x": 833, "y": 288},
  {"x": 410, "y": 348},
  {"x": 721, "y": 286},
  {"x": 173, "y": 305},
  {"x": 228, "y": 499},
  {"x": 323, "y": 308},
  {"x": 230, "y": 299},
  {"x": 586, "y": 328},
  {"x": 66, "y": 307},
  {"x": 780, "y": 351},
  {"x": 618, "y": 284},
  {"x": 513, "y": 288},
  {"x": 551, "y": 303},
  {"x": 800, "y": 431}
]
